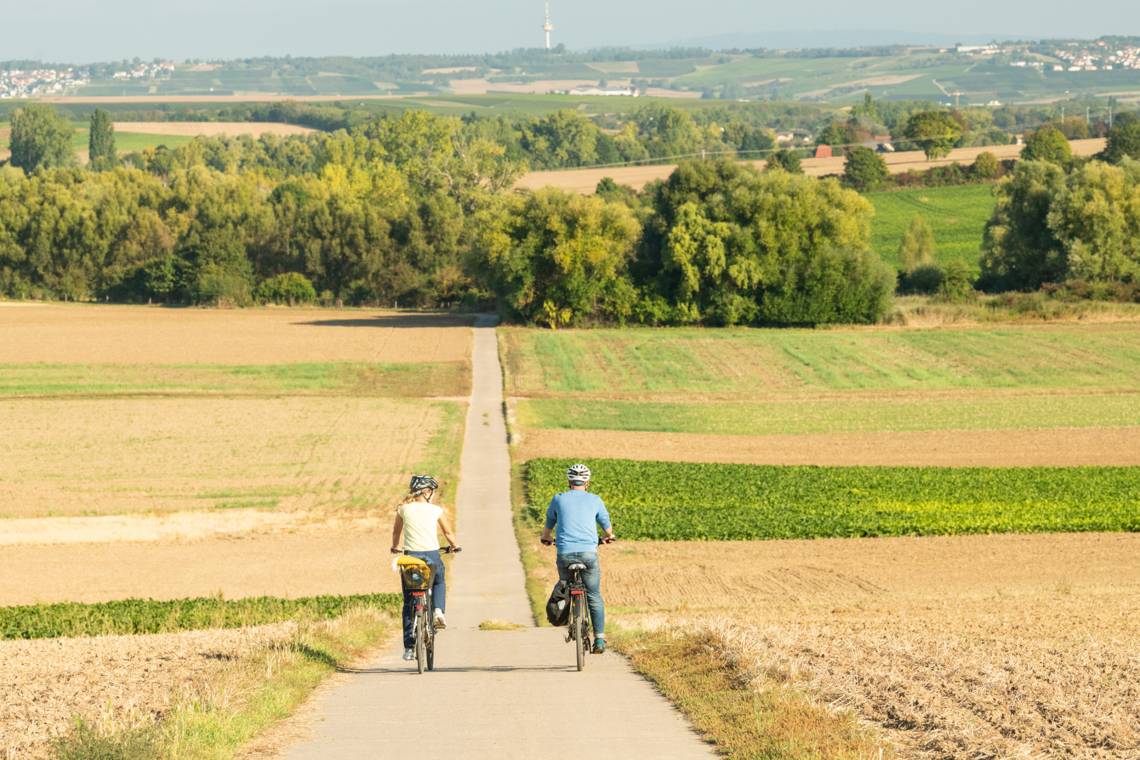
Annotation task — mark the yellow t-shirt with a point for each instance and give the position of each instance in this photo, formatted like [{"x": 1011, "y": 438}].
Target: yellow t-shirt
[{"x": 421, "y": 521}]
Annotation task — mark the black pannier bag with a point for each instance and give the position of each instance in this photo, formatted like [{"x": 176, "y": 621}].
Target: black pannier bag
[{"x": 558, "y": 605}]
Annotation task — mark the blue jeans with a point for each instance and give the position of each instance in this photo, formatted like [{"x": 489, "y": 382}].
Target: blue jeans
[
  {"x": 592, "y": 577},
  {"x": 438, "y": 594}
]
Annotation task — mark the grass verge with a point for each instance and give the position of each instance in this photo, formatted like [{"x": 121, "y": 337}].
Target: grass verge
[
  {"x": 141, "y": 616},
  {"x": 224, "y": 715},
  {"x": 744, "y": 714}
]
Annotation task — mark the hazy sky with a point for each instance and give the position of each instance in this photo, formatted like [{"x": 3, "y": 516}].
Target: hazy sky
[{"x": 88, "y": 30}]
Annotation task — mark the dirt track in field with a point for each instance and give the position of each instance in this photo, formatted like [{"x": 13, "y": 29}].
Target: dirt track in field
[
  {"x": 81, "y": 334},
  {"x": 121, "y": 680},
  {"x": 1061, "y": 447},
  {"x": 211, "y": 128},
  {"x": 586, "y": 180},
  {"x": 972, "y": 646}
]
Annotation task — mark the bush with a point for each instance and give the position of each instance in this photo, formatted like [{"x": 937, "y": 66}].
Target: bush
[
  {"x": 916, "y": 248},
  {"x": 788, "y": 160},
  {"x": 986, "y": 166},
  {"x": 925, "y": 279},
  {"x": 291, "y": 289},
  {"x": 1047, "y": 144},
  {"x": 957, "y": 285}
]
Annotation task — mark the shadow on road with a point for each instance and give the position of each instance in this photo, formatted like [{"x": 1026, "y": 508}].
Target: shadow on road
[
  {"x": 396, "y": 320},
  {"x": 410, "y": 670}
]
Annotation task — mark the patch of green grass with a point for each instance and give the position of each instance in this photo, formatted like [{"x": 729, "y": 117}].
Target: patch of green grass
[
  {"x": 957, "y": 215},
  {"x": 327, "y": 378},
  {"x": 673, "y": 501},
  {"x": 745, "y": 362},
  {"x": 140, "y": 616},
  {"x": 830, "y": 415}
]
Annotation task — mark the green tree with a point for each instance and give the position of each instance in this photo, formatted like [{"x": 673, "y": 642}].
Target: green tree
[
  {"x": 564, "y": 138},
  {"x": 917, "y": 246},
  {"x": 957, "y": 285},
  {"x": 1047, "y": 144},
  {"x": 1019, "y": 249},
  {"x": 785, "y": 159},
  {"x": 864, "y": 169},
  {"x": 936, "y": 132},
  {"x": 101, "y": 141},
  {"x": 41, "y": 138},
  {"x": 558, "y": 257},
  {"x": 1096, "y": 218},
  {"x": 986, "y": 166},
  {"x": 1124, "y": 139}
]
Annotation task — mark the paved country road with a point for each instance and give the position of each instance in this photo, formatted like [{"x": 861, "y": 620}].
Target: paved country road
[{"x": 494, "y": 694}]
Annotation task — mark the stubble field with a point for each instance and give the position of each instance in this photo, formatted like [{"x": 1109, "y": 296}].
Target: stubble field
[{"x": 176, "y": 453}]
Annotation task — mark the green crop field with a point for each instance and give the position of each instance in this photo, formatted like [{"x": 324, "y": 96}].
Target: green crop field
[
  {"x": 138, "y": 616},
  {"x": 681, "y": 501},
  {"x": 957, "y": 215},
  {"x": 829, "y": 415},
  {"x": 675, "y": 364}
]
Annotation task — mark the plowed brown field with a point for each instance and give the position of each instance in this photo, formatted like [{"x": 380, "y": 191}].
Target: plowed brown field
[
  {"x": 85, "y": 334},
  {"x": 979, "y": 646},
  {"x": 1060, "y": 447}
]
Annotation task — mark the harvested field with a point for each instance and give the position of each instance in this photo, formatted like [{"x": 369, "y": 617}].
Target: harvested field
[
  {"x": 90, "y": 334},
  {"x": 211, "y": 128},
  {"x": 1104, "y": 446},
  {"x": 585, "y": 181},
  {"x": 982, "y": 646},
  {"x": 117, "y": 679},
  {"x": 108, "y": 456},
  {"x": 308, "y": 560}
]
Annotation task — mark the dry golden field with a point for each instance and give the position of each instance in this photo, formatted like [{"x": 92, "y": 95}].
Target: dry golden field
[
  {"x": 212, "y": 128},
  {"x": 237, "y": 452},
  {"x": 114, "y": 680},
  {"x": 112, "y": 456},
  {"x": 88, "y": 334},
  {"x": 980, "y": 646}
]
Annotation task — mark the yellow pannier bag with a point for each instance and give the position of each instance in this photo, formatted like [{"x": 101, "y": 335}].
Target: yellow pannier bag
[{"x": 414, "y": 572}]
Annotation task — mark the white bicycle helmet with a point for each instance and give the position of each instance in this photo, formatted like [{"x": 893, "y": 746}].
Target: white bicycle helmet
[{"x": 578, "y": 474}]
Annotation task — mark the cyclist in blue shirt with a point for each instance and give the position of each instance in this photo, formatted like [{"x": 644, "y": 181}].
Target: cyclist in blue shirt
[{"x": 578, "y": 513}]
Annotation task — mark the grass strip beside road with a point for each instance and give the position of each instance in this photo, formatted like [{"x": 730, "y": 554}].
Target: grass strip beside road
[
  {"x": 830, "y": 415},
  {"x": 684, "y": 501},
  {"x": 142, "y": 616},
  {"x": 746, "y": 715},
  {"x": 329, "y": 378},
  {"x": 218, "y": 719}
]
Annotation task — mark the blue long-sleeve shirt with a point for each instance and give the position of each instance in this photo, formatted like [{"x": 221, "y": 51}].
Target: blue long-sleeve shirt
[{"x": 577, "y": 515}]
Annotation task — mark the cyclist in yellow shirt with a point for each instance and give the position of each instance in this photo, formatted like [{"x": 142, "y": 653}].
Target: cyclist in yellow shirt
[{"x": 420, "y": 521}]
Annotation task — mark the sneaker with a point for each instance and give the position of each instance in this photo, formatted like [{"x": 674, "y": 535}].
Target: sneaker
[
  {"x": 409, "y": 654},
  {"x": 599, "y": 645},
  {"x": 437, "y": 619}
]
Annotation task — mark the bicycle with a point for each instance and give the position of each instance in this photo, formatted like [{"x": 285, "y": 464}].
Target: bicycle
[
  {"x": 578, "y": 629},
  {"x": 416, "y": 576}
]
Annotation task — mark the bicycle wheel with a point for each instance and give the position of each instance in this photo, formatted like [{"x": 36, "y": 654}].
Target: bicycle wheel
[
  {"x": 579, "y": 624},
  {"x": 421, "y": 641}
]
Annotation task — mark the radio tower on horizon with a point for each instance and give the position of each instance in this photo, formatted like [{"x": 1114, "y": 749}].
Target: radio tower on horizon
[{"x": 547, "y": 27}]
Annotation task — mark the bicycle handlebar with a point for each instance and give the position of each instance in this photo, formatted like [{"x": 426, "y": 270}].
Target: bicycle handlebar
[
  {"x": 445, "y": 550},
  {"x": 602, "y": 540}
]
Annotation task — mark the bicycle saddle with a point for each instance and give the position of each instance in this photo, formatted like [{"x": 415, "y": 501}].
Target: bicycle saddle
[{"x": 576, "y": 566}]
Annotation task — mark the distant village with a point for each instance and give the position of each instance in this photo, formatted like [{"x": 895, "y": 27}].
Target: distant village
[
  {"x": 45, "y": 82},
  {"x": 1095, "y": 55}
]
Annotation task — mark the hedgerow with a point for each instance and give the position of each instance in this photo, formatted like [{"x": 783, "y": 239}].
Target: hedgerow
[
  {"x": 138, "y": 616},
  {"x": 685, "y": 501}
]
